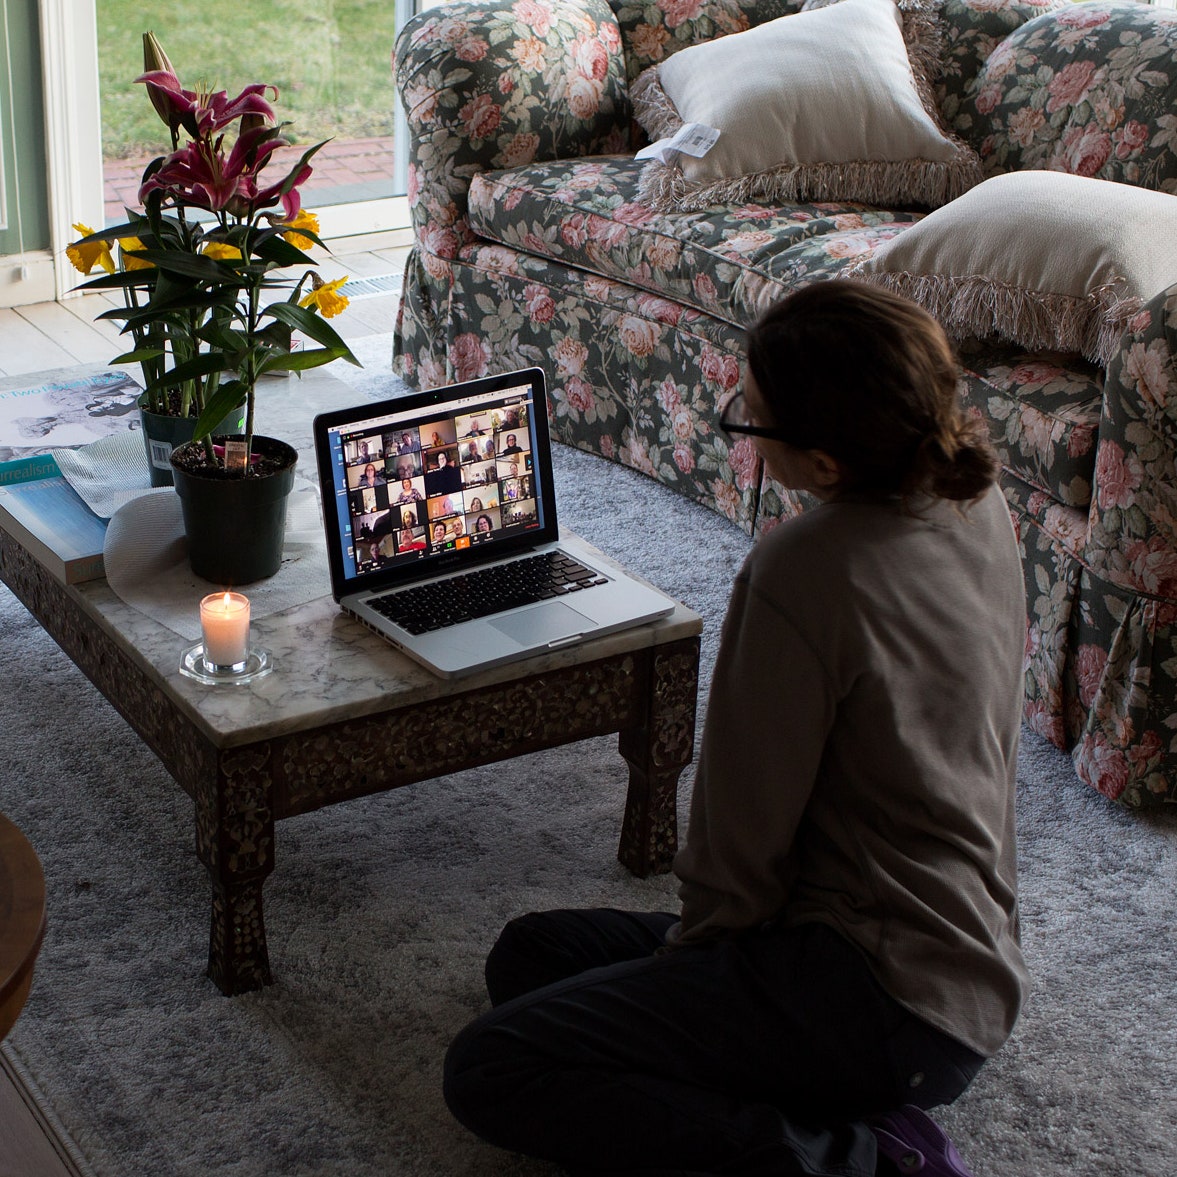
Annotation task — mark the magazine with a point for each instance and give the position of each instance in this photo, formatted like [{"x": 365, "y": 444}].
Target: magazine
[{"x": 65, "y": 407}]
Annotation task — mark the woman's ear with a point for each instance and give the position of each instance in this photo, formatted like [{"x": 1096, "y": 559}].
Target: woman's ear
[{"x": 828, "y": 472}]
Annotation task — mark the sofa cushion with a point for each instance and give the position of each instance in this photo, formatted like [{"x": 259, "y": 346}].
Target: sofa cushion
[
  {"x": 1089, "y": 89},
  {"x": 1043, "y": 259},
  {"x": 731, "y": 263},
  {"x": 971, "y": 30},
  {"x": 835, "y": 103},
  {"x": 1043, "y": 411}
]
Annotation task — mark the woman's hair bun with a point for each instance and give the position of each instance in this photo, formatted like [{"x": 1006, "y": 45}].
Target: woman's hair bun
[{"x": 957, "y": 462}]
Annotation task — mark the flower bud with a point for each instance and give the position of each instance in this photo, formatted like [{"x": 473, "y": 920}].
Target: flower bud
[{"x": 154, "y": 58}]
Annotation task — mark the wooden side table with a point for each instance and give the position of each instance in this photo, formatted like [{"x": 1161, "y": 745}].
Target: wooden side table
[{"x": 22, "y": 920}]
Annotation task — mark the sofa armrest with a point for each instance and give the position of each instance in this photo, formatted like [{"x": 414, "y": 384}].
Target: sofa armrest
[
  {"x": 1132, "y": 534},
  {"x": 500, "y": 84}
]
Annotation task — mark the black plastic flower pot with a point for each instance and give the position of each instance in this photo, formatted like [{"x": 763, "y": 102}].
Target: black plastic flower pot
[
  {"x": 163, "y": 432},
  {"x": 235, "y": 524}
]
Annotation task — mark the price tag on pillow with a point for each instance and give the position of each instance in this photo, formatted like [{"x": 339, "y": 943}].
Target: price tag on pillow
[{"x": 690, "y": 139}]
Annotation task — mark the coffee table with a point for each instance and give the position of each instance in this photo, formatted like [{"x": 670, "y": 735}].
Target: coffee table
[{"x": 344, "y": 715}]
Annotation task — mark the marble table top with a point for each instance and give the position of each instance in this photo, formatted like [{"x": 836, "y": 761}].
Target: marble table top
[{"x": 327, "y": 666}]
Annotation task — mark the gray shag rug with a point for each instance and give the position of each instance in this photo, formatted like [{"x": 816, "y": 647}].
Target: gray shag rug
[{"x": 381, "y": 910}]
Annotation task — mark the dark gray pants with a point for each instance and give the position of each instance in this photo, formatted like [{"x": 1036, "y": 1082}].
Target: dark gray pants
[{"x": 758, "y": 1055}]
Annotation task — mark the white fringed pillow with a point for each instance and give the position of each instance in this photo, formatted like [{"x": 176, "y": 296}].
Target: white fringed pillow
[
  {"x": 835, "y": 103},
  {"x": 1046, "y": 260}
]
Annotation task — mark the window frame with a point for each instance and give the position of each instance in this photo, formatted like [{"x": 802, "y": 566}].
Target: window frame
[{"x": 73, "y": 132}]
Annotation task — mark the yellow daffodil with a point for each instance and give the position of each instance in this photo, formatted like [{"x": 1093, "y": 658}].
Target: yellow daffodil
[
  {"x": 304, "y": 220},
  {"x": 221, "y": 251},
  {"x": 324, "y": 297},
  {"x": 133, "y": 263},
  {"x": 93, "y": 253}
]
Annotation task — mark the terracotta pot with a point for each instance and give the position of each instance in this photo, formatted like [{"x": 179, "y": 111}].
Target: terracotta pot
[
  {"x": 162, "y": 433},
  {"x": 235, "y": 525}
]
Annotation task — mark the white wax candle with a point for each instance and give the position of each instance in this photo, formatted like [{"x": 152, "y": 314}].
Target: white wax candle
[{"x": 224, "y": 622}]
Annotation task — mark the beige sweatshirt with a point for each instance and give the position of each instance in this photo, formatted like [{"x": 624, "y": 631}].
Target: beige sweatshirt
[{"x": 858, "y": 757}]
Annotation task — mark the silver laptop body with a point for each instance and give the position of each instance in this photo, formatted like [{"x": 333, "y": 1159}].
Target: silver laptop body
[{"x": 448, "y": 482}]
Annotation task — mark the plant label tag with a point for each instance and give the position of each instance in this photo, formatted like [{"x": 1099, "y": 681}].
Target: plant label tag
[
  {"x": 236, "y": 455},
  {"x": 690, "y": 139}
]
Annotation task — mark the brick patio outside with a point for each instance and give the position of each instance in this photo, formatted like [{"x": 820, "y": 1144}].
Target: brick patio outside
[{"x": 355, "y": 168}]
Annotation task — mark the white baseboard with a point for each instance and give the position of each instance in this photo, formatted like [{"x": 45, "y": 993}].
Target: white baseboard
[{"x": 27, "y": 278}]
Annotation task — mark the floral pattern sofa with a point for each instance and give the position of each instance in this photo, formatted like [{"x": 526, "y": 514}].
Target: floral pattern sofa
[{"x": 531, "y": 247}]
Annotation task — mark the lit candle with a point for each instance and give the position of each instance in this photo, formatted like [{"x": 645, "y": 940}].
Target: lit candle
[{"x": 224, "y": 623}]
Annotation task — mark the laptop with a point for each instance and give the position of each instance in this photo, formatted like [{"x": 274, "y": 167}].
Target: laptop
[{"x": 440, "y": 516}]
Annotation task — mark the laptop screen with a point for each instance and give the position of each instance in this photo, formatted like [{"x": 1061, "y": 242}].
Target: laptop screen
[{"x": 425, "y": 481}]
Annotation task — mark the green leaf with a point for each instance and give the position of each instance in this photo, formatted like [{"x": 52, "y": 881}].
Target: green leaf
[
  {"x": 191, "y": 370},
  {"x": 231, "y": 395},
  {"x": 278, "y": 250},
  {"x": 292, "y": 175},
  {"x": 311, "y": 323},
  {"x": 139, "y": 355},
  {"x": 300, "y": 361},
  {"x": 190, "y": 265},
  {"x": 109, "y": 234},
  {"x": 222, "y": 335},
  {"x": 119, "y": 280}
]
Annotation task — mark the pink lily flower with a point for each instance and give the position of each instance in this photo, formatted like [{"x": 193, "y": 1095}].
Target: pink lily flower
[
  {"x": 221, "y": 110},
  {"x": 175, "y": 105},
  {"x": 199, "y": 174},
  {"x": 201, "y": 114}
]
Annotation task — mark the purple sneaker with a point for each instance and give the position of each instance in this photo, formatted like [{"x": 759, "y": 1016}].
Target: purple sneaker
[{"x": 914, "y": 1143}]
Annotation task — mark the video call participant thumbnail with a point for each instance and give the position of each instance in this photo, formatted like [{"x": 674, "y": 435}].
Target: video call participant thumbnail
[{"x": 442, "y": 474}]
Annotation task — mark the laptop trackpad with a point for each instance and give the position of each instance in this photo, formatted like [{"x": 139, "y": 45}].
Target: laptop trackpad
[{"x": 546, "y": 623}]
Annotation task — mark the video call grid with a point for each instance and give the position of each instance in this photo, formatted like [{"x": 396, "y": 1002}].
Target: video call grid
[{"x": 448, "y": 483}]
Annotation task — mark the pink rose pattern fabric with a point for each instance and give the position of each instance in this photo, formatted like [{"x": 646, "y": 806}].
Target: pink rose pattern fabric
[
  {"x": 498, "y": 85},
  {"x": 654, "y": 30},
  {"x": 531, "y": 249},
  {"x": 1089, "y": 89},
  {"x": 972, "y": 29},
  {"x": 1043, "y": 412},
  {"x": 730, "y": 263}
]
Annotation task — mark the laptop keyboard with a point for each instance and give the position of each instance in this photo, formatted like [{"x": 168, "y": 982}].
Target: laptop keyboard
[{"x": 485, "y": 591}]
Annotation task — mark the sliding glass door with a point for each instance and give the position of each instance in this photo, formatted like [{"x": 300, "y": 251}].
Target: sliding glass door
[{"x": 330, "y": 61}]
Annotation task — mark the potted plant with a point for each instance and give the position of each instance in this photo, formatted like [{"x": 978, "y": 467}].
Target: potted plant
[
  {"x": 202, "y": 269},
  {"x": 170, "y": 404}
]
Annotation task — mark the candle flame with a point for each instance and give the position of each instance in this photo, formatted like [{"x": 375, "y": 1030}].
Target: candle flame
[{"x": 225, "y": 601}]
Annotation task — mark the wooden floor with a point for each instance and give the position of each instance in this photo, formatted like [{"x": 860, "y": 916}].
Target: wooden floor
[{"x": 59, "y": 335}]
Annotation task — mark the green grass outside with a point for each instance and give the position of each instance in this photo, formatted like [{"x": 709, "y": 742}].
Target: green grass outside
[{"x": 330, "y": 60}]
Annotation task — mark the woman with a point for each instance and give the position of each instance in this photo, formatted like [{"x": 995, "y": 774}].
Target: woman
[
  {"x": 483, "y": 524},
  {"x": 847, "y": 951},
  {"x": 409, "y": 493},
  {"x": 371, "y": 477}
]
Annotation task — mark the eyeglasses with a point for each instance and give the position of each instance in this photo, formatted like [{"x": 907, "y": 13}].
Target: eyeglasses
[{"x": 735, "y": 419}]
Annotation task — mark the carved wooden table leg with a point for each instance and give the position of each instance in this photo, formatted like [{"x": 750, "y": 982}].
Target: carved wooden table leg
[
  {"x": 235, "y": 841},
  {"x": 657, "y": 751}
]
